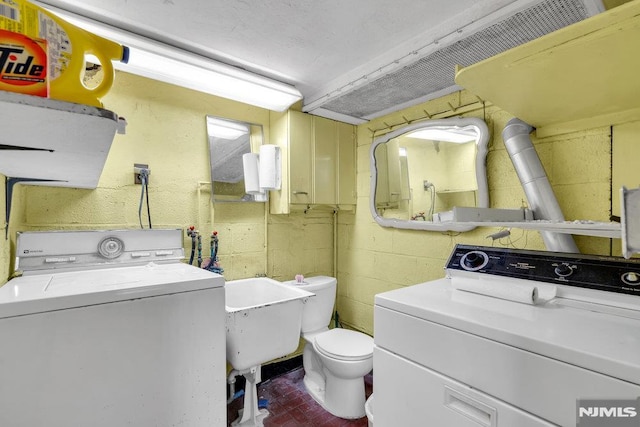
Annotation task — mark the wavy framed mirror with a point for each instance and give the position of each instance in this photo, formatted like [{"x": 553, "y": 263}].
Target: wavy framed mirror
[
  {"x": 228, "y": 141},
  {"x": 422, "y": 173}
]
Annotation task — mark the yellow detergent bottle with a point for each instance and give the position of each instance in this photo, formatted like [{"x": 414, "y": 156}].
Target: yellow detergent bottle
[{"x": 67, "y": 47}]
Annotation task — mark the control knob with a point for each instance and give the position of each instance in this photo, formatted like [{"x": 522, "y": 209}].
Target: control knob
[
  {"x": 631, "y": 278},
  {"x": 111, "y": 247},
  {"x": 474, "y": 260},
  {"x": 564, "y": 270}
]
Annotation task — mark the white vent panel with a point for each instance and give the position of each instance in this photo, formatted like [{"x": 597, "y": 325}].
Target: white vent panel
[{"x": 433, "y": 75}]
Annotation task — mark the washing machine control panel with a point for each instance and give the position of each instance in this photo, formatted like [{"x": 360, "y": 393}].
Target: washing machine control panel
[
  {"x": 614, "y": 274},
  {"x": 44, "y": 251}
]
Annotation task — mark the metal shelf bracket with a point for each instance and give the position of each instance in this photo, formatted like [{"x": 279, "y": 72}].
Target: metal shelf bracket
[{"x": 9, "y": 184}]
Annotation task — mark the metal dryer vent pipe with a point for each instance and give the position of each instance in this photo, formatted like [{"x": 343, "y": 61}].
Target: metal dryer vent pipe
[{"x": 535, "y": 183}]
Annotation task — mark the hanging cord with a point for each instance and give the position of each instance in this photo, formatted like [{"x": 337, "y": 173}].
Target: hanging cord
[
  {"x": 146, "y": 188},
  {"x": 144, "y": 180}
]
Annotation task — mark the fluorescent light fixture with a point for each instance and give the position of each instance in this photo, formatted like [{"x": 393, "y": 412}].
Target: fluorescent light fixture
[
  {"x": 446, "y": 135},
  {"x": 152, "y": 59},
  {"x": 226, "y": 129}
]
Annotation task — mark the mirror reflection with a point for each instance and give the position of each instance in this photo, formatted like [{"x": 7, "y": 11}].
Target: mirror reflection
[
  {"x": 421, "y": 173},
  {"x": 228, "y": 141}
]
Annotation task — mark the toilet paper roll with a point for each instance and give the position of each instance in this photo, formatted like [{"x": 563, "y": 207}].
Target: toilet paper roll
[
  {"x": 512, "y": 291},
  {"x": 250, "y": 163},
  {"x": 270, "y": 167}
]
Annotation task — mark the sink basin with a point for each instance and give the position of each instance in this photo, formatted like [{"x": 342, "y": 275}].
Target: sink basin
[{"x": 263, "y": 320}]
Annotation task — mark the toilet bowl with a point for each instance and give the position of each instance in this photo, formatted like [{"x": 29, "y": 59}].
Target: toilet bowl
[
  {"x": 335, "y": 361},
  {"x": 345, "y": 358}
]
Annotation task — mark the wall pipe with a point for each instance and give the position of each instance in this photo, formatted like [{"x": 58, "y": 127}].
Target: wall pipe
[{"x": 535, "y": 183}]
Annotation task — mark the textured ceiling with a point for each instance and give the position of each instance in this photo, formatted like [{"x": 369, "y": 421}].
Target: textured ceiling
[
  {"x": 317, "y": 46},
  {"x": 307, "y": 43}
]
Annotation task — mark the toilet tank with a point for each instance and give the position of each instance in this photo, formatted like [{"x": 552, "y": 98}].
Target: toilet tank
[{"x": 316, "y": 314}]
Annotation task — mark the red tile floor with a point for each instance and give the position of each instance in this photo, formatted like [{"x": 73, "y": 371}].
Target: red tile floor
[{"x": 290, "y": 405}]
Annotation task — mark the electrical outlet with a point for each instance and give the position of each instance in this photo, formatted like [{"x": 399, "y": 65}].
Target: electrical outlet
[{"x": 137, "y": 170}]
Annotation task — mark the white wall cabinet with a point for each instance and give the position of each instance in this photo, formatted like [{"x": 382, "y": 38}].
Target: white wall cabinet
[{"x": 318, "y": 162}]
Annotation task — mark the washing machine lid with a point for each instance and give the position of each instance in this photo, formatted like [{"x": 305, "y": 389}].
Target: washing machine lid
[
  {"x": 64, "y": 290},
  {"x": 344, "y": 344}
]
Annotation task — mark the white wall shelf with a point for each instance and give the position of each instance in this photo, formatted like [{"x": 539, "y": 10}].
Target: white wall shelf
[
  {"x": 55, "y": 142},
  {"x": 582, "y": 228},
  {"x": 453, "y": 190},
  {"x": 579, "y": 77}
]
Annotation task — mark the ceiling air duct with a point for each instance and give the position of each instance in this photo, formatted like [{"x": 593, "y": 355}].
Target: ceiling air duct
[{"x": 428, "y": 72}]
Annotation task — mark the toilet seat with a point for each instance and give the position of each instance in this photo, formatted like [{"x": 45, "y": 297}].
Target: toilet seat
[{"x": 343, "y": 344}]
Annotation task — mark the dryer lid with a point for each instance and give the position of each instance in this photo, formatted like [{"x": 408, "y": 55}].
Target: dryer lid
[{"x": 345, "y": 344}]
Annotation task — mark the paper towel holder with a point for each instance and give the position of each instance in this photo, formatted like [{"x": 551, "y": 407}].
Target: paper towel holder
[{"x": 270, "y": 167}]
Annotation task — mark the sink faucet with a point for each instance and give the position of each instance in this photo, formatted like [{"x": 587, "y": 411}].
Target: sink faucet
[{"x": 419, "y": 215}]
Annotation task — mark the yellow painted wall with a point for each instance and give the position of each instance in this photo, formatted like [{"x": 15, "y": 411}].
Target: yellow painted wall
[
  {"x": 300, "y": 243},
  {"x": 166, "y": 129},
  {"x": 7, "y": 254},
  {"x": 610, "y": 4},
  {"x": 626, "y": 153},
  {"x": 373, "y": 259}
]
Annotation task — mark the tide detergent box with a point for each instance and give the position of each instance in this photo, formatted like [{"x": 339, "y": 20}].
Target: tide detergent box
[{"x": 23, "y": 64}]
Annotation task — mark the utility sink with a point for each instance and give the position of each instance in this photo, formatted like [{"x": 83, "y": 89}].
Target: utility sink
[{"x": 263, "y": 320}]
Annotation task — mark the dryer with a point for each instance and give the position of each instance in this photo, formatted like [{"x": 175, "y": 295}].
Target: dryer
[
  {"x": 110, "y": 328},
  {"x": 450, "y": 357}
]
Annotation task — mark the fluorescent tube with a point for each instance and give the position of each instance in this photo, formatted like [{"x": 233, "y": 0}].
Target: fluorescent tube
[{"x": 152, "y": 59}]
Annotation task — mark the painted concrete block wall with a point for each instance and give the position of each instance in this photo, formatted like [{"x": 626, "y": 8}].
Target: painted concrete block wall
[
  {"x": 300, "y": 243},
  {"x": 626, "y": 152},
  {"x": 280, "y": 247},
  {"x": 166, "y": 129},
  {"x": 241, "y": 231},
  {"x": 373, "y": 259},
  {"x": 7, "y": 254}
]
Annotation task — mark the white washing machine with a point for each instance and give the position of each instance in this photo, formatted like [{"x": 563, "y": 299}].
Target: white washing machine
[
  {"x": 450, "y": 357},
  {"x": 109, "y": 328}
]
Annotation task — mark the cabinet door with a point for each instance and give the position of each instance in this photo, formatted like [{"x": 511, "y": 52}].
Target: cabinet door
[
  {"x": 324, "y": 162},
  {"x": 300, "y": 157},
  {"x": 346, "y": 164}
]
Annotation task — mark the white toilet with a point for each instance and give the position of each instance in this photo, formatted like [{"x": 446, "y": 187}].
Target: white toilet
[{"x": 335, "y": 361}]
